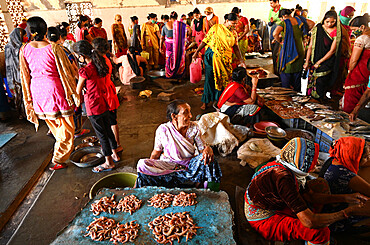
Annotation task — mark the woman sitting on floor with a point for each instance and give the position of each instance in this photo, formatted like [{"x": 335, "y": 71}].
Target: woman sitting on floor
[
  {"x": 132, "y": 65},
  {"x": 238, "y": 100},
  {"x": 348, "y": 156},
  {"x": 180, "y": 158},
  {"x": 275, "y": 207}
]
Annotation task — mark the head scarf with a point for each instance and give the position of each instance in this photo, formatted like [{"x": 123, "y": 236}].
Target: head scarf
[
  {"x": 12, "y": 56},
  {"x": 344, "y": 13},
  {"x": 300, "y": 156},
  {"x": 348, "y": 152}
]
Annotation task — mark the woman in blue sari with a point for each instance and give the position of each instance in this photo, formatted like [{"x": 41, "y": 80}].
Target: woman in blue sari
[{"x": 291, "y": 56}]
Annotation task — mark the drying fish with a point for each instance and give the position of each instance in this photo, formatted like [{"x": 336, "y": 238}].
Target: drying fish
[
  {"x": 123, "y": 233},
  {"x": 325, "y": 112},
  {"x": 314, "y": 106},
  {"x": 104, "y": 204},
  {"x": 361, "y": 128},
  {"x": 129, "y": 204},
  {"x": 183, "y": 199},
  {"x": 169, "y": 227},
  {"x": 161, "y": 201},
  {"x": 90, "y": 157},
  {"x": 345, "y": 126},
  {"x": 332, "y": 120},
  {"x": 301, "y": 99},
  {"x": 254, "y": 147},
  {"x": 317, "y": 118},
  {"x": 100, "y": 229}
]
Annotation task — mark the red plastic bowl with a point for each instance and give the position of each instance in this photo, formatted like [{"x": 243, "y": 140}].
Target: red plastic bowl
[{"x": 260, "y": 126}]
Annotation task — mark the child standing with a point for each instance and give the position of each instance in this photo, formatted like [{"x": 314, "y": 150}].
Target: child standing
[
  {"x": 102, "y": 46},
  {"x": 92, "y": 79}
]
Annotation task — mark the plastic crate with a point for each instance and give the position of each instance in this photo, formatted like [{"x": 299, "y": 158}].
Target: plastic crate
[{"x": 324, "y": 141}]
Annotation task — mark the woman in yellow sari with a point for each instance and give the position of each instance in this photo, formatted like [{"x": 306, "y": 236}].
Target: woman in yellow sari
[
  {"x": 217, "y": 60},
  {"x": 149, "y": 39}
]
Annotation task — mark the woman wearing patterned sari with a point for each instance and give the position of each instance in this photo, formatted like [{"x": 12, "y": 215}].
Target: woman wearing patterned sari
[
  {"x": 174, "y": 34},
  {"x": 275, "y": 207},
  {"x": 179, "y": 158},
  {"x": 119, "y": 37},
  {"x": 149, "y": 40},
  {"x": 217, "y": 60},
  {"x": 324, "y": 54}
]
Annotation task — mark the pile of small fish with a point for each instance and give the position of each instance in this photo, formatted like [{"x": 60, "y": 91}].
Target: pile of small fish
[
  {"x": 100, "y": 229},
  {"x": 104, "y": 204},
  {"x": 129, "y": 204},
  {"x": 162, "y": 201},
  {"x": 123, "y": 233},
  {"x": 169, "y": 227},
  {"x": 362, "y": 130},
  {"x": 107, "y": 229},
  {"x": 183, "y": 199}
]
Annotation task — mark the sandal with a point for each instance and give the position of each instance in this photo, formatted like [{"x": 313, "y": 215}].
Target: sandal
[
  {"x": 82, "y": 133},
  {"x": 58, "y": 166},
  {"x": 119, "y": 148},
  {"x": 101, "y": 168}
]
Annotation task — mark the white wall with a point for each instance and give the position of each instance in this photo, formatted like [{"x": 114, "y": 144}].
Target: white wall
[{"x": 257, "y": 10}]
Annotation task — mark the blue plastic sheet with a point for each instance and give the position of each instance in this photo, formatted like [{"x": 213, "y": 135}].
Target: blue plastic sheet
[{"x": 212, "y": 212}]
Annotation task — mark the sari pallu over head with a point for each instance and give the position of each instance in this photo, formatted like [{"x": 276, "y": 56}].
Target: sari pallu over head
[
  {"x": 67, "y": 76},
  {"x": 175, "y": 51},
  {"x": 12, "y": 57},
  {"x": 288, "y": 51},
  {"x": 221, "y": 40}
]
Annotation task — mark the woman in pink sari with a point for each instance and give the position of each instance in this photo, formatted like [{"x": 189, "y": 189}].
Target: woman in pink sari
[
  {"x": 180, "y": 158},
  {"x": 174, "y": 34}
]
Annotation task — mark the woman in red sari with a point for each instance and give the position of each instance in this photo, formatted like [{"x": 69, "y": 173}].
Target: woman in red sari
[
  {"x": 358, "y": 77},
  {"x": 275, "y": 207},
  {"x": 242, "y": 28}
]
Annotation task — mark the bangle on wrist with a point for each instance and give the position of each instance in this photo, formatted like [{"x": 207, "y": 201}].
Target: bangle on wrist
[
  {"x": 345, "y": 214},
  {"x": 254, "y": 89}
]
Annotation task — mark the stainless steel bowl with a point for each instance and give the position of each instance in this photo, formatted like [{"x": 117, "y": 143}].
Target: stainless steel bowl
[
  {"x": 87, "y": 157},
  {"x": 275, "y": 132},
  {"x": 156, "y": 74}
]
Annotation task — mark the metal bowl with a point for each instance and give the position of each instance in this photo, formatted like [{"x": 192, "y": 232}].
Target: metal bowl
[
  {"x": 83, "y": 145},
  {"x": 275, "y": 132},
  {"x": 156, "y": 74},
  {"x": 87, "y": 157}
]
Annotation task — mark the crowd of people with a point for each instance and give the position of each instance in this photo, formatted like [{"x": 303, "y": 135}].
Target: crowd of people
[{"x": 60, "y": 78}]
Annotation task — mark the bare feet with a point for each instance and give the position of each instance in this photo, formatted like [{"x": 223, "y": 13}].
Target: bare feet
[{"x": 204, "y": 106}]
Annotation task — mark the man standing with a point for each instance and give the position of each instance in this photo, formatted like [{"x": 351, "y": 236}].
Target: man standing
[{"x": 273, "y": 21}]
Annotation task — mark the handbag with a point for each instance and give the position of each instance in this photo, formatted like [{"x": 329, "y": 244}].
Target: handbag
[
  {"x": 196, "y": 71},
  {"x": 145, "y": 55}
]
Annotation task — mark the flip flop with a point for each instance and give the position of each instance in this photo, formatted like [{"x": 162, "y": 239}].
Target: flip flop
[
  {"x": 58, "y": 166},
  {"x": 82, "y": 133},
  {"x": 101, "y": 169}
]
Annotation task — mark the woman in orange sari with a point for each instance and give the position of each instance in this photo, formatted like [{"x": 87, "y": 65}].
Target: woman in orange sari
[{"x": 242, "y": 28}]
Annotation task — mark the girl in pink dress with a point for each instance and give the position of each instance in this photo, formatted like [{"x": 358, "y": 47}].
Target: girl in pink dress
[{"x": 49, "y": 89}]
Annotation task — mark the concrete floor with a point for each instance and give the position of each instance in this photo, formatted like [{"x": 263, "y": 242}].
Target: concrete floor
[{"x": 61, "y": 194}]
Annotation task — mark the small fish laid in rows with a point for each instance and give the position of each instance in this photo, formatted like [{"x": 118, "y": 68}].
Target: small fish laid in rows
[
  {"x": 129, "y": 204},
  {"x": 125, "y": 232},
  {"x": 169, "y": 227},
  {"x": 102, "y": 229},
  {"x": 104, "y": 204},
  {"x": 162, "y": 201},
  {"x": 183, "y": 199}
]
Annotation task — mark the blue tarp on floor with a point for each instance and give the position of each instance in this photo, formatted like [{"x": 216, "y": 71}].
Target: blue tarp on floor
[{"x": 212, "y": 212}]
